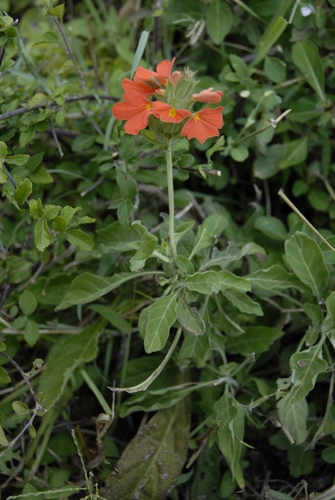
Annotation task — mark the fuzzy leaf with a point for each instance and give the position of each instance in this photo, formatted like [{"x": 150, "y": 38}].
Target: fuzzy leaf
[
  {"x": 189, "y": 318},
  {"x": 162, "y": 315},
  {"x": 152, "y": 462},
  {"x": 65, "y": 358},
  {"x": 255, "y": 339}
]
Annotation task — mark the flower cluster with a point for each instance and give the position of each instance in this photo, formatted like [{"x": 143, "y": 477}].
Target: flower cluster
[{"x": 174, "y": 99}]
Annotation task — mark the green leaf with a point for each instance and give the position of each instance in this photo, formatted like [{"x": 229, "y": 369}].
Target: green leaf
[
  {"x": 82, "y": 142},
  {"x": 270, "y": 39},
  {"x": 271, "y": 227},
  {"x": 2, "y": 346},
  {"x": 152, "y": 462},
  {"x": 232, "y": 254},
  {"x": 80, "y": 239},
  {"x": 65, "y": 358},
  {"x": 162, "y": 315},
  {"x": 307, "y": 261},
  {"x": 51, "y": 211},
  {"x": 58, "y": 11},
  {"x": 184, "y": 264},
  {"x": 305, "y": 56},
  {"x": 23, "y": 190},
  {"x": 206, "y": 282},
  {"x": 239, "y": 154},
  {"x": 215, "y": 224},
  {"x": 3, "y": 439},
  {"x": 46, "y": 37},
  {"x": 189, "y": 318},
  {"x": 301, "y": 461},
  {"x": 203, "y": 240},
  {"x": 195, "y": 346},
  {"x": 3, "y": 175},
  {"x": 41, "y": 176},
  {"x": 31, "y": 333},
  {"x": 275, "y": 69},
  {"x": 68, "y": 213},
  {"x": 4, "y": 376},
  {"x": 328, "y": 323},
  {"x": 218, "y": 21},
  {"x": 20, "y": 270},
  {"x": 243, "y": 302},
  {"x": 294, "y": 152},
  {"x": 20, "y": 408},
  {"x": 229, "y": 415},
  {"x": 40, "y": 97},
  {"x": 88, "y": 287},
  {"x": 26, "y": 136},
  {"x": 139, "y": 52},
  {"x": 294, "y": 419},
  {"x": 255, "y": 339},
  {"x": 27, "y": 302},
  {"x": 43, "y": 237},
  {"x": 59, "y": 224},
  {"x": 18, "y": 160},
  {"x": 307, "y": 364},
  {"x": 3, "y": 150},
  {"x": 146, "y": 248},
  {"x": 36, "y": 209},
  {"x": 274, "y": 278},
  {"x": 115, "y": 318}
]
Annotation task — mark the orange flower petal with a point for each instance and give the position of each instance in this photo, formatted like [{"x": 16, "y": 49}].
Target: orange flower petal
[
  {"x": 155, "y": 77},
  {"x": 208, "y": 95},
  {"x": 140, "y": 87},
  {"x": 135, "y": 109},
  {"x": 168, "y": 114},
  {"x": 203, "y": 124}
]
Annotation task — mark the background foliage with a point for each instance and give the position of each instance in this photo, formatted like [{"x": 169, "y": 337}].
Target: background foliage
[{"x": 246, "y": 399}]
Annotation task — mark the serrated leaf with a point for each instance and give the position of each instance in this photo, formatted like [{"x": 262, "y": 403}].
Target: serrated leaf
[
  {"x": 51, "y": 211},
  {"x": 59, "y": 224},
  {"x": 307, "y": 364},
  {"x": 68, "y": 213},
  {"x": 218, "y": 20},
  {"x": 36, "y": 209},
  {"x": 89, "y": 287},
  {"x": 230, "y": 417},
  {"x": 152, "y": 462},
  {"x": 65, "y": 358},
  {"x": 307, "y": 261},
  {"x": 255, "y": 339},
  {"x": 294, "y": 419},
  {"x": 189, "y": 318},
  {"x": 17, "y": 160},
  {"x": 80, "y": 239},
  {"x": 305, "y": 56},
  {"x": 43, "y": 237},
  {"x": 23, "y": 190},
  {"x": 27, "y": 302},
  {"x": 162, "y": 315},
  {"x": 3, "y": 150},
  {"x": 20, "y": 408}
]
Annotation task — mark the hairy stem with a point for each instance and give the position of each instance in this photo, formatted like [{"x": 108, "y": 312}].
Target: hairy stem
[{"x": 169, "y": 168}]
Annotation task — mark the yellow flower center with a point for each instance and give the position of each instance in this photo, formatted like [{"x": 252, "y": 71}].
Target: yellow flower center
[
  {"x": 149, "y": 106},
  {"x": 172, "y": 112},
  {"x": 196, "y": 117}
]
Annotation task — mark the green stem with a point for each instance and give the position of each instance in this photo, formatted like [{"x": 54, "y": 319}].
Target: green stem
[{"x": 169, "y": 168}]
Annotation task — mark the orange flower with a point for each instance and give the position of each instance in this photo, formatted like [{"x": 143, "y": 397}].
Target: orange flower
[
  {"x": 203, "y": 124},
  {"x": 167, "y": 113},
  {"x": 208, "y": 95},
  {"x": 155, "y": 78},
  {"x": 136, "y": 109},
  {"x": 140, "y": 87}
]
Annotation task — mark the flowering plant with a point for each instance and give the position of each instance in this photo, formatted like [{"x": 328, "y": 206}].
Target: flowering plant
[{"x": 172, "y": 107}]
